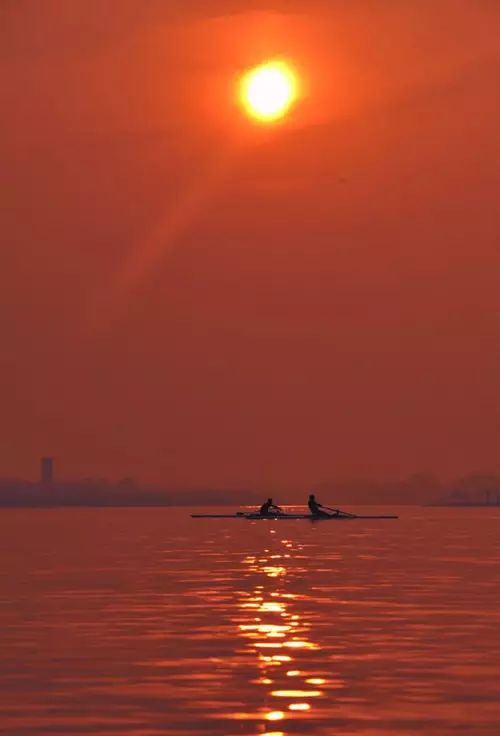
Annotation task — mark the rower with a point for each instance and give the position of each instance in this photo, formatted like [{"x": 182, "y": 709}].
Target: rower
[
  {"x": 317, "y": 509},
  {"x": 269, "y": 508}
]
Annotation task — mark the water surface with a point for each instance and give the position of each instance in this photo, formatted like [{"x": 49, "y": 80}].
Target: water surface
[{"x": 143, "y": 622}]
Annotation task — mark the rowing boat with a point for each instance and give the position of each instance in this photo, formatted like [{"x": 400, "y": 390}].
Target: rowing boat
[{"x": 288, "y": 517}]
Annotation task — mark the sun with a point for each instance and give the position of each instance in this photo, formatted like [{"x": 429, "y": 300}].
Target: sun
[{"x": 268, "y": 91}]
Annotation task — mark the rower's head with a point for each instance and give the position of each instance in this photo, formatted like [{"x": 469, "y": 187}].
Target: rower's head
[
  {"x": 269, "y": 500},
  {"x": 312, "y": 497}
]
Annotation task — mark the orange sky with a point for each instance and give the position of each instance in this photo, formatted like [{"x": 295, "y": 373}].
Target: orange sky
[{"x": 189, "y": 298}]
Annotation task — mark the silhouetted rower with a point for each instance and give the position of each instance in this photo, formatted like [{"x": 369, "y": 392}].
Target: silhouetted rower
[
  {"x": 318, "y": 509},
  {"x": 269, "y": 508}
]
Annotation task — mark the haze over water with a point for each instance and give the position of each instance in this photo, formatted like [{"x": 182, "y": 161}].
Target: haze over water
[{"x": 146, "y": 622}]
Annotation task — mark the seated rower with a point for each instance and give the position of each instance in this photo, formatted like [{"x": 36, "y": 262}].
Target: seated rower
[
  {"x": 318, "y": 509},
  {"x": 269, "y": 508}
]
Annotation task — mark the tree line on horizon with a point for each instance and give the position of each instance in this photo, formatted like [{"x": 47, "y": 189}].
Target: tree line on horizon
[{"x": 415, "y": 490}]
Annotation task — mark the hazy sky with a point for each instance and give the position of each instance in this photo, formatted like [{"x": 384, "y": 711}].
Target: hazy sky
[{"x": 188, "y": 298}]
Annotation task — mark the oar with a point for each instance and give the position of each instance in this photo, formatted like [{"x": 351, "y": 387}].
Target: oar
[{"x": 339, "y": 511}]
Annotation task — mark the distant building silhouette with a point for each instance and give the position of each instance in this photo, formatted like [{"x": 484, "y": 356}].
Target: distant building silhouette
[{"x": 47, "y": 470}]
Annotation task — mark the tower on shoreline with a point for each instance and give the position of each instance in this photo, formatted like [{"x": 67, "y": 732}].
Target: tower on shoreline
[{"x": 46, "y": 470}]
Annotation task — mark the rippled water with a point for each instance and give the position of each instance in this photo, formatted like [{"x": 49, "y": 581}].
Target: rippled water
[{"x": 146, "y": 622}]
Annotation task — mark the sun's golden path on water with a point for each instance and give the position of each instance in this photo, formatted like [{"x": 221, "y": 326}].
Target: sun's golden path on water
[{"x": 279, "y": 627}]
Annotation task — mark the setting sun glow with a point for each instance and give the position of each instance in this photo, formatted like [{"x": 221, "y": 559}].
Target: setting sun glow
[{"x": 268, "y": 91}]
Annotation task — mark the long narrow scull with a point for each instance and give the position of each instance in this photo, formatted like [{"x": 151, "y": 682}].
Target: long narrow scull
[{"x": 285, "y": 517}]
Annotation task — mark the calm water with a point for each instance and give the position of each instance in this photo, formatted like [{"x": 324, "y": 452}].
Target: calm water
[{"x": 146, "y": 622}]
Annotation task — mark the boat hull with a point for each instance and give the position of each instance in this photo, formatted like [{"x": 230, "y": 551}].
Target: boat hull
[{"x": 289, "y": 517}]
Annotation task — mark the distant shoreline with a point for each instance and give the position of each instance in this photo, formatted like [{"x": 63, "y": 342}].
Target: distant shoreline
[
  {"x": 7, "y": 507},
  {"x": 158, "y": 504},
  {"x": 464, "y": 505}
]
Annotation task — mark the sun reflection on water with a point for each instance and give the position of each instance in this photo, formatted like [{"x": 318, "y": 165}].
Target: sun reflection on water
[{"x": 273, "y": 624}]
